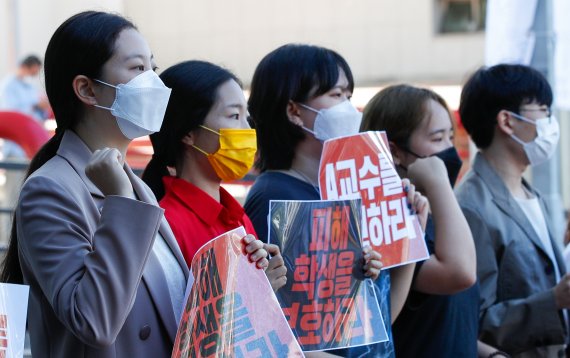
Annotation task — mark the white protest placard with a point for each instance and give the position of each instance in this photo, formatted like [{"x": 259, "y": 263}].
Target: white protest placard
[{"x": 13, "y": 312}]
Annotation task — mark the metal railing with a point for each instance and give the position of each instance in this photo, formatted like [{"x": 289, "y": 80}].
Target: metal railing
[
  {"x": 12, "y": 172},
  {"x": 11, "y": 175}
]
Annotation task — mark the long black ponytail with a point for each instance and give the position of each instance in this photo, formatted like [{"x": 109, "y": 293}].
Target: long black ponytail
[{"x": 80, "y": 46}]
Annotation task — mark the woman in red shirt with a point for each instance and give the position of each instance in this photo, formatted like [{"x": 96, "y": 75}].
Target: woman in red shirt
[{"x": 205, "y": 139}]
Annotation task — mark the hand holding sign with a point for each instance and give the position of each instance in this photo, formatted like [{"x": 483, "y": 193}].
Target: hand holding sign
[
  {"x": 417, "y": 203},
  {"x": 361, "y": 166},
  {"x": 255, "y": 251},
  {"x": 231, "y": 310},
  {"x": 372, "y": 263},
  {"x": 326, "y": 301},
  {"x": 276, "y": 271}
]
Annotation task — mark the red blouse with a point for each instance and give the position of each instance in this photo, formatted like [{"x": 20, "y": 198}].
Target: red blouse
[{"x": 196, "y": 218}]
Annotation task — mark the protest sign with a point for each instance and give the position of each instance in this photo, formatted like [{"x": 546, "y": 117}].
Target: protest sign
[
  {"x": 327, "y": 300},
  {"x": 361, "y": 166},
  {"x": 13, "y": 312},
  {"x": 231, "y": 310}
]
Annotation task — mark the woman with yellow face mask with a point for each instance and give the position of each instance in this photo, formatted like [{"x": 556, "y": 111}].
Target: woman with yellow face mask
[{"x": 206, "y": 139}]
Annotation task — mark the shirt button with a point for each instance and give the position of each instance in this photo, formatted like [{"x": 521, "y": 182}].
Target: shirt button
[{"x": 144, "y": 332}]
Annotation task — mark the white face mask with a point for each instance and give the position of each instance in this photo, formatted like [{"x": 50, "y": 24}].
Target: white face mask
[
  {"x": 139, "y": 104},
  {"x": 541, "y": 148},
  {"x": 339, "y": 120}
]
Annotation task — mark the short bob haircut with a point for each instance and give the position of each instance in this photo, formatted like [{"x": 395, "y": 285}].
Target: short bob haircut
[
  {"x": 399, "y": 110},
  {"x": 295, "y": 73},
  {"x": 501, "y": 87}
]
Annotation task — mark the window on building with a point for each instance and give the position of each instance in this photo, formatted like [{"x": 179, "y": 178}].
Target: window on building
[{"x": 454, "y": 16}]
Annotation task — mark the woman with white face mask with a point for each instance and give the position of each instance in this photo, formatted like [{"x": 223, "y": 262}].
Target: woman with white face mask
[
  {"x": 524, "y": 290},
  {"x": 300, "y": 97},
  {"x": 206, "y": 139},
  {"x": 106, "y": 276}
]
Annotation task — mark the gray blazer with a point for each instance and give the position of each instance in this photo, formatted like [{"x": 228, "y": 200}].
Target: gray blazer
[
  {"x": 96, "y": 287},
  {"x": 516, "y": 276}
]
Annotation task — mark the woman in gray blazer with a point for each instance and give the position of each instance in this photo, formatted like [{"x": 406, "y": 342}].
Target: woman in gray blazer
[
  {"x": 106, "y": 276},
  {"x": 103, "y": 267}
]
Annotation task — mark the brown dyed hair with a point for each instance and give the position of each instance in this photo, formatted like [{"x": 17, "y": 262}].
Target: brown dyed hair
[{"x": 399, "y": 110}]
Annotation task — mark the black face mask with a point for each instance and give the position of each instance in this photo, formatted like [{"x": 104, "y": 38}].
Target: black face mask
[{"x": 451, "y": 160}]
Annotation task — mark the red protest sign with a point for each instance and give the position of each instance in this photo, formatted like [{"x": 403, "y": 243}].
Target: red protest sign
[
  {"x": 231, "y": 310},
  {"x": 361, "y": 166},
  {"x": 3, "y": 334},
  {"x": 326, "y": 300}
]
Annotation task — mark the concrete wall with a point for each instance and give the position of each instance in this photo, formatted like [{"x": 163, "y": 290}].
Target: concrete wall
[
  {"x": 27, "y": 25},
  {"x": 382, "y": 40},
  {"x": 7, "y": 36}
]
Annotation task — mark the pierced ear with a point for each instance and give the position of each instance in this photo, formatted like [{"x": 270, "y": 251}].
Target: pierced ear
[
  {"x": 504, "y": 122},
  {"x": 396, "y": 153},
  {"x": 189, "y": 138},
  {"x": 294, "y": 114},
  {"x": 83, "y": 88}
]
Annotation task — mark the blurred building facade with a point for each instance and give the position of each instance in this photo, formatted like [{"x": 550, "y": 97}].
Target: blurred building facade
[
  {"x": 384, "y": 41},
  {"x": 435, "y": 43}
]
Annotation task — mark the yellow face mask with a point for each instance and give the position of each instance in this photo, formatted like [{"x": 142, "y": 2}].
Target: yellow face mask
[{"x": 236, "y": 154}]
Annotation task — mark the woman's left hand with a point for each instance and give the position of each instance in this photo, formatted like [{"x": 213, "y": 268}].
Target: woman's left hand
[
  {"x": 418, "y": 203},
  {"x": 255, "y": 251},
  {"x": 276, "y": 271},
  {"x": 372, "y": 263}
]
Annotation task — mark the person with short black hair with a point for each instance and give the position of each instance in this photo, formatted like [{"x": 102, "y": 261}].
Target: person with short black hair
[
  {"x": 523, "y": 286},
  {"x": 295, "y": 92}
]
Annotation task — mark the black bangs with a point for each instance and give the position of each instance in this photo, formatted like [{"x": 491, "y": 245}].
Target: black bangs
[
  {"x": 290, "y": 73},
  {"x": 516, "y": 85},
  {"x": 501, "y": 87},
  {"x": 318, "y": 71}
]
